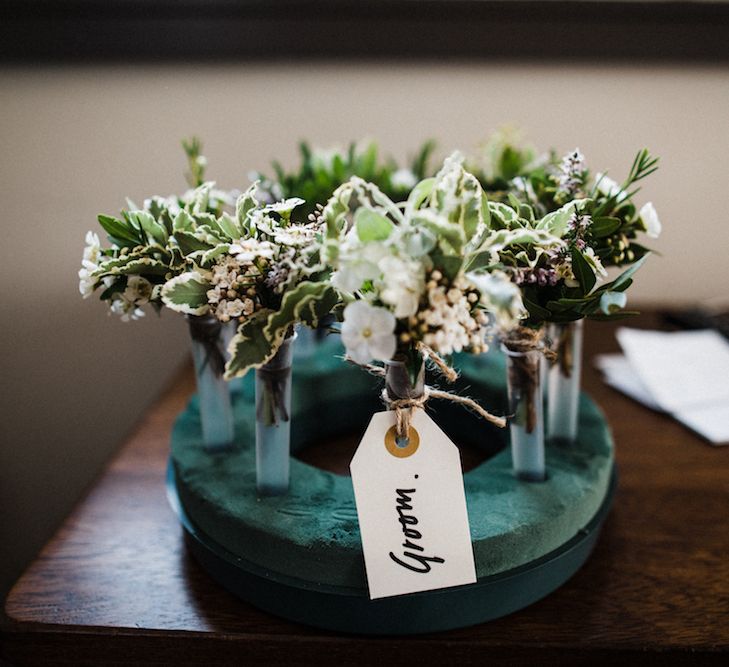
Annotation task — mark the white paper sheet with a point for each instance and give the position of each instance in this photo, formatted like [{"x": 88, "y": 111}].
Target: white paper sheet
[
  {"x": 680, "y": 369},
  {"x": 683, "y": 373}
]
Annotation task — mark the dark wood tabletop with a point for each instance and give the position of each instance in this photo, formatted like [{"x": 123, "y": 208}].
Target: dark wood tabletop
[{"x": 116, "y": 586}]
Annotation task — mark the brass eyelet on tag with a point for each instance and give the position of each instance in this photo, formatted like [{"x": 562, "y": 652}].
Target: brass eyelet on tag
[{"x": 407, "y": 450}]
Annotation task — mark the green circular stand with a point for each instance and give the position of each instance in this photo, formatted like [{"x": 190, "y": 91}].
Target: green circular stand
[{"x": 299, "y": 556}]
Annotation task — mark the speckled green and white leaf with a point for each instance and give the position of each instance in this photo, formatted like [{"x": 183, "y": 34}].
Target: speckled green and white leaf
[
  {"x": 612, "y": 302},
  {"x": 308, "y": 302},
  {"x": 207, "y": 258},
  {"x": 187, "y": 293},
  {"x": 419, "y": 194},
  {"x": 190, "y": 243},
  {"x": 153, "y": 229},
  {"x": 336, "y": 210},
  {"x": 509, "y": 237},
  {"x": 229, "y": 227},
  {"x": 249, "y": 348},
  {"x": 245, "y": 203},
  {"x": 445, "y": 231},
  {"x": 503, "y": 212},
  {"x": 183, "y": 222},
  {"x": 556, "y": 221}
]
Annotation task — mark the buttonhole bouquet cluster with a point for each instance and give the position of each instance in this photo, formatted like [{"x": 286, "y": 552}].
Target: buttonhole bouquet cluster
[{"x": 410, "y": 271}]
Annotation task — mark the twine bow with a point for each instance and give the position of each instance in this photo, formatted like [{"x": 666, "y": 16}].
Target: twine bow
[{"x": 403, "y": 406}]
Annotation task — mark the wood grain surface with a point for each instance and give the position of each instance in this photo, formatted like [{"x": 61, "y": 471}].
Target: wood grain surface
[{"x": 116, "y": 586}]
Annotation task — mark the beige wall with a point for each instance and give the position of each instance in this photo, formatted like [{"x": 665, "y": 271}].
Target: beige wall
[{"x": 75, "y": 141}]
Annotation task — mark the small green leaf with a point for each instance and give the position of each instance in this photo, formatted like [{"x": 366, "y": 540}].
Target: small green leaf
[
  {"x": 229, "y": 227},
  {"x": 119, "y": 232},
  {"x": 420, "y": 193},
  {"x": 535, "y": 310},
  {"x": 249, "y": 348},
  {"x": 611, "y": 302},
  {"x": 189, "y": 243},
  {"x": 183, "y": 222},
  {"x": 583, "y": 271},
  {"x": 372, "y": 226},
  {"x": 151, "y": 227},
  {"x": 627, "y": 274},
  {"x": 604, "y": 226},
  {"x": 187, "y": 293}
]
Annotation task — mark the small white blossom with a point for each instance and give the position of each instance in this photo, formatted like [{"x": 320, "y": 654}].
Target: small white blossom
[
  {"x": 402, "y": 284},
  {"x": 249, "y": 250},
  {"x": 368, "y": 332},
  {"x": 649, "y": 217},
  {"x": 500, "y": 297},
  {"x": 609, "y": 188},
  {"x": 404, "y": 179}
]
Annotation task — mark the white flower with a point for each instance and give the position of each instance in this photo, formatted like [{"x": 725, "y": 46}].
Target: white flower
[
  {"x": 650, "y": 220},
  {"x": 609, "y": 188},
  {"x": 404, "y": 179},
  {"x": 358, "y": 263},
  {"x": 501, "y": 297},
  {"x": 403, "y": 283},
  {"x": 92, "y": 251},
  {"x": 126, "y": 309},
  {"x": 247, "y": 251},
  {"x": 368, "y": 332},
  {"x": 89, "y": 264}
]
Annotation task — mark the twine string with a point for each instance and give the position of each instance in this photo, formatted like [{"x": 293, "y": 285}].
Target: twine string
[
  {"x": 524, "y": 339},
  {"x": 403, "y": 406}
]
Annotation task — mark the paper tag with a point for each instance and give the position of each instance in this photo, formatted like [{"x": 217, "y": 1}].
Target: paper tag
[{"x": 412, "y": 508}]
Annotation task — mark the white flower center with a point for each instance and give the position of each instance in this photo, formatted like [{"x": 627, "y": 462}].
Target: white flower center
[{"x": 366, "y": 332}]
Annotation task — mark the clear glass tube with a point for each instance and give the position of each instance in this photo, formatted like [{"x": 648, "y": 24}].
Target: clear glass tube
[
  {"x": 563, "y": 394},
  {"x": 208, "y": 354},
  {"x": 273, "y": 421},
  {"x": 306, "y": 342},
  {"x": 526, "y": 425}
]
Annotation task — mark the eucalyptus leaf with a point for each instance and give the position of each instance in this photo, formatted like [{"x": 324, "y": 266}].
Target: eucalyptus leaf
[{"x": 610, "y": 302}]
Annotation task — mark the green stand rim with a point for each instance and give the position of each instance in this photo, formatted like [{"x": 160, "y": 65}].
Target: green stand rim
[{"x": 350, "y": 610}]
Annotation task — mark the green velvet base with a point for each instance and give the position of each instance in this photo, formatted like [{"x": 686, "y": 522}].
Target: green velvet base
[{"x": 312, "y": 533}]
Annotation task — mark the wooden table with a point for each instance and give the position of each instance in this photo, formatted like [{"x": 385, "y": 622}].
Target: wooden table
[{"x": 116, "y": 586}]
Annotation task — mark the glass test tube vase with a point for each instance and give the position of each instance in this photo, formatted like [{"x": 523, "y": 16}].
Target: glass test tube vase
[
  {"x": 526, "y": 423},
  {"x": 273, "y": 421},
  {"x": 208, "y": 354},
  {"x": 563, "y": 380}
]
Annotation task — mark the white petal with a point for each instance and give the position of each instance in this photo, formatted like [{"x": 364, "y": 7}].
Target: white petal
[
  {"x": 382, "y": 346},
  {"x": 357, "y": 314},
  {"x": 381, "y": 321}
]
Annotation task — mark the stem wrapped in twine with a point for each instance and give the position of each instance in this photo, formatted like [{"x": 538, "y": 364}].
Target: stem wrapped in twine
[
  {"x": 524, "y": 369},
  {"x": 403, "y": 406}
]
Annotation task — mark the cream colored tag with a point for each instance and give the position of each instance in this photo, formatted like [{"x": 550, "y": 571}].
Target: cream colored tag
[{"x": 412, "y": 508}]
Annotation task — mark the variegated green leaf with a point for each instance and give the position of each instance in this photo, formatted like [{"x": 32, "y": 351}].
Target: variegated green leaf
[
  {"x": 187, "y": 293},
  {"x": 250, "y": 348}
]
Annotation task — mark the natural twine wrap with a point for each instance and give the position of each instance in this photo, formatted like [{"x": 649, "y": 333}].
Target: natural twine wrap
[
  {"x": 403, "y": 406},
  {"x": 524, "y": 370}
]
